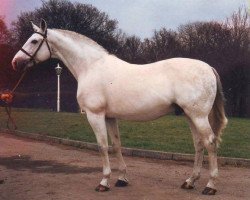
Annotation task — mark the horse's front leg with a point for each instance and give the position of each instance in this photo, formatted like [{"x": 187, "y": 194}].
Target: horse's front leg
[
  {"x": 97, "y": 122},
  {"x": 113, "y": 131}
]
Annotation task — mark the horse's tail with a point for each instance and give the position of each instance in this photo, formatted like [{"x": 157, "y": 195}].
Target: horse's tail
[{"x": 217, "y": 117}]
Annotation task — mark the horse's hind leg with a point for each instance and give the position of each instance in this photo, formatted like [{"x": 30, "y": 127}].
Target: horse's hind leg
[
  {"x": 209, "y": 140},
  {"x": 97, "y": 122},
  {"x": 113, "y": 132},
  {"x": 199, "y": 150}
]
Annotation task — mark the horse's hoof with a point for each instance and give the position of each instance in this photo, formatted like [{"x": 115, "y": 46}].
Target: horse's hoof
[
  {"x": 209, "y": 191},
  {"x": 121, "y": 183},
  {"x": 1, "y": 181},
  {"x": 102, "y": 188},
  {"x": 185, "y": 185}
]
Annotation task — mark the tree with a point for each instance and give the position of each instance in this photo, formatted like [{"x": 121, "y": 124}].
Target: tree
[
  {"x": 163, "y": 45},
  {"x": 207, "y": 41},
  {"x": 7, "y": 75},
  {"x": 62, "y": 14},
  {"x": 130, "y": 49},
  {"x": 4, "y": 33},
  {"x": 238, "y": 78},
  {"x": 225, "y": 46}
]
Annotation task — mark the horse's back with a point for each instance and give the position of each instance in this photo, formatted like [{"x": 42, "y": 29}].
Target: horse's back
[{"x": 189, "y": 68}]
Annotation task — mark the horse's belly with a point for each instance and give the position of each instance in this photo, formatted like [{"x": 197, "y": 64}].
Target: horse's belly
[{"x": 139, "y": 112}]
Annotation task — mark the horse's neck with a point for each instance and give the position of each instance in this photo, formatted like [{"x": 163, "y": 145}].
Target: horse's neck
[{"x": 77, "y": 55}]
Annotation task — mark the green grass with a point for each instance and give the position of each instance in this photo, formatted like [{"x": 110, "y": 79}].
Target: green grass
[{"x": 169, "y": 133}]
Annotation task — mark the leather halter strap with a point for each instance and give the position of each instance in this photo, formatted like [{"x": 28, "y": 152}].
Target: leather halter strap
[{"x": 32, "y": 57}]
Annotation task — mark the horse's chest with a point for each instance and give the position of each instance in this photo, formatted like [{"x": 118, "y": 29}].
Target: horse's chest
[{"x": 91, "y": 99}]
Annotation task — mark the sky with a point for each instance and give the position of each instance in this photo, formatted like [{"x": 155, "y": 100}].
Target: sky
[{"x": 142, "y": 17}]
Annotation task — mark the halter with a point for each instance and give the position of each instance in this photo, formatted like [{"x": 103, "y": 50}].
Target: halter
[
  {"x": 7, "y": 96},
  {"x": 32, "y": 57}
]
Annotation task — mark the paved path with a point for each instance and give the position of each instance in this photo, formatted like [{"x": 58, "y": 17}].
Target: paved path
[{"x": 38, "y": 170}]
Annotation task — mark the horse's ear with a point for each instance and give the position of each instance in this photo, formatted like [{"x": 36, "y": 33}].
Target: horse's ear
[
  {"x": 35, "y": 27},
  {"x": 43, "y": 26}
]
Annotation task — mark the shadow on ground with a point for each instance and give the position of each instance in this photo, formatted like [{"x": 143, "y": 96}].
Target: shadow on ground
[{"x": 22, "y": 163}]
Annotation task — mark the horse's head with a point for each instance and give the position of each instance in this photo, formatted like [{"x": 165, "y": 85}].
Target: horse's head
[{"x": 35, "y": 50}]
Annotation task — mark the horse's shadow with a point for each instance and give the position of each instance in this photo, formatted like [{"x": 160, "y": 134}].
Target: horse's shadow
[{"x": 23, "y": 163}]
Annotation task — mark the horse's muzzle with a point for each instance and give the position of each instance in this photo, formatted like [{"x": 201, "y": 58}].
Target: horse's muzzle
[{"x": 20, "y": 65}]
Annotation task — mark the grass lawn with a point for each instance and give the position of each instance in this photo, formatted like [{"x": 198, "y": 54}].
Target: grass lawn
[{"x": 170, "y": 133}]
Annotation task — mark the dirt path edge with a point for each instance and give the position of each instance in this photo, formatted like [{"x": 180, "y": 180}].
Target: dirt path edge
[{"x": 236, "y": 162}]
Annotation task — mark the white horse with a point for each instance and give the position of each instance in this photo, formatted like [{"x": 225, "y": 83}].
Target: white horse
[{"x": 110, "y": 89}]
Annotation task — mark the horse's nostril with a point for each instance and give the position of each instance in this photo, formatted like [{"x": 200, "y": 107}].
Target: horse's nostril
[
  {"x": 18, "y": 64},
  {"x": 14, "y": 64}
]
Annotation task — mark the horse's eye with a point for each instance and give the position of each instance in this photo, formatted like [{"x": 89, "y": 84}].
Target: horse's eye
[{"x": 34, "y": 41}]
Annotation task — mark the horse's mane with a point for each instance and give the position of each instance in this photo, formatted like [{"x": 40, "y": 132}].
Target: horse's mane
[{"x": 79, "y": 37}]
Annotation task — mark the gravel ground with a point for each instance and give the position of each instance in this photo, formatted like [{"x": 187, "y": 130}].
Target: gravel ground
[{"x": 39, "y": 170}]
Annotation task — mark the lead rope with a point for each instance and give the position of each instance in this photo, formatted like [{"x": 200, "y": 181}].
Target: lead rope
[
  {"x": 10, "y": 119},
  {"x": 19, "y": 81},
  {"x": 8, "y": 104}
]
